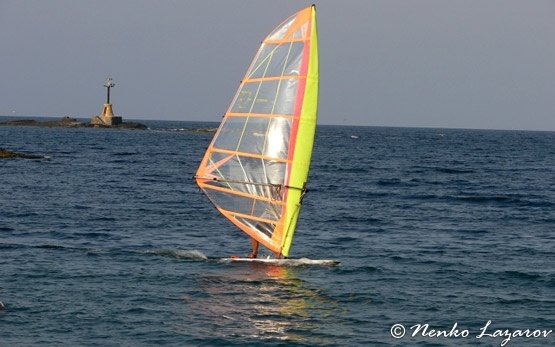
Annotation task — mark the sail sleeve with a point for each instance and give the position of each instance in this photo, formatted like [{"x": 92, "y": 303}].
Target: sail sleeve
[{"x": 256, "y": 166}]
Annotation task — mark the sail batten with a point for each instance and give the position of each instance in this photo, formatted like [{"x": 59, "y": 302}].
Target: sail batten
[
  {"x": 242, "y": 194},
  {"x": 256, "y": 167}
]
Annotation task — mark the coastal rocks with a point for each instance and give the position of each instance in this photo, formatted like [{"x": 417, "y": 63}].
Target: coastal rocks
[
  {"x": 4, "y": 153},
  {"x": 124, "y": 125},
  {"x": 68, "y": 122}
]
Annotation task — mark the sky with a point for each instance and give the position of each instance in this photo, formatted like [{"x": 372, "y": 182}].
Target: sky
[{"x": 428, "y": 63}]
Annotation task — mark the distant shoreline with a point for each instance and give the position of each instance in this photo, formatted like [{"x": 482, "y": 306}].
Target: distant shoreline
[{"x": 68, "y": 122}]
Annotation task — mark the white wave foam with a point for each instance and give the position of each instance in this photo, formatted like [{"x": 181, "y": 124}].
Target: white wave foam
[
  {"x": 284, "y": 262},
  {"x": 182, "y": 254}
]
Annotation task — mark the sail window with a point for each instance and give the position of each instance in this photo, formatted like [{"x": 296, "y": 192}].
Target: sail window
[
  {"x": 244, "y": 205},
  {"x": 265, "y": 98},
  {"x": 277, "y": 60},
  {"x": 286, "y": 96},
  {"x": 230, "y": 133},
  {"x": 245, "y": 97},
  {"x": 293, "y": 65},
  {"x": 265, "y": 228},
  {"x": 254, "y": 135},
  {"x": 242, "y": 169},
  {"x": 277, "y": 139},
  {"x": 281, "y": 30}
]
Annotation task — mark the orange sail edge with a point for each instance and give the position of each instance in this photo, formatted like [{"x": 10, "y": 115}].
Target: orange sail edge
[{"x": 273, "y": 244}]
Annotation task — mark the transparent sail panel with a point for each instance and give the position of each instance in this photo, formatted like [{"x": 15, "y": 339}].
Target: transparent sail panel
[
  {"x": 263, "y": 227},
  {"x": 244, "y": 205},
  {"x": 267, "y": 136},
  {"x": 286, "y": 96},
  {"x": 245, "y": 169},
  {"x": 276, "y": 144},
  {"x": 280, "y": 31},
  {"x": 265, "y": 98},
  {"x": 277, "y": 60},
  {"x": 245, "y": 97},
  {"x": 268, "y": 97},
  {"x": 230, "y": 133}
]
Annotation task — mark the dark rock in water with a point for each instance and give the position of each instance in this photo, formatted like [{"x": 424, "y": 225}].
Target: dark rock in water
[
  {"x": 21, "y": 122},
  {"x": 132, "y": 125},
  {"x": 67, "y": 122},
  {"x": 4, "y": 153},
  {"x": 64, "y": 122},
  {"x": 125, "y": 125}
]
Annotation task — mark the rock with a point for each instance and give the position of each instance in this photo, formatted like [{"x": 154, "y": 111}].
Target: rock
[
  {"x": 132, "y": 125},
  {"x": 4, "y": 153},
  {"x": 20, "y": 122},
  {"x": 68, "y": 122}
]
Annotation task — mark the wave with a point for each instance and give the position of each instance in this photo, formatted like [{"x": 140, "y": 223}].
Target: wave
[
  {"x": 453, "y": 171},
  {"x": 122, "y": 154},
  {"x": 180, "y": 254},
  {"x": 290, "y": 262},
  {"x": 515, "y": 274},
  {"x": 361, "y": 269}
]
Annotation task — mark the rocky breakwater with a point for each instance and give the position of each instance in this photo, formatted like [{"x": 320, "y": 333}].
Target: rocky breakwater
[{"x": 68, "y": 122}]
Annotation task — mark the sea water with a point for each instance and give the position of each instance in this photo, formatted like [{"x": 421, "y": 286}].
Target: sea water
[{"x": 108, "y": 242}]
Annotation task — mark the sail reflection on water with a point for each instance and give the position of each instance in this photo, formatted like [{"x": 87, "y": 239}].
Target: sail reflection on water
[{"x": 259, "y": 302}]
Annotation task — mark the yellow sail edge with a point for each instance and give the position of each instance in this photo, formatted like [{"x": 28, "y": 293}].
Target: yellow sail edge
[{"x": 304, "y": 141}]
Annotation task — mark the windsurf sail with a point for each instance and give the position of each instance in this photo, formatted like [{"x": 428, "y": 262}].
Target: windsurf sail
[{"x": 255, "y": 169}]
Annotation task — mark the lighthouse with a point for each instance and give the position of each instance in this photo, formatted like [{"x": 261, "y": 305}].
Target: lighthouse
[{"x": 107, "y": 117}]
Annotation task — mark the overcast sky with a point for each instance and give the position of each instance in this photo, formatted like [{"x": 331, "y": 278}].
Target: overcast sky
[{"x": 427, "y": 63}]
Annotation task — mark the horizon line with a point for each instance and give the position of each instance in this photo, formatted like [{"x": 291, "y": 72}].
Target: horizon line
[{"x": 132, "y": 118}]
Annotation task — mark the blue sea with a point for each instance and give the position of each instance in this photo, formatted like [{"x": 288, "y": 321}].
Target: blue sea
[{"x": 108, "y": 242}]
